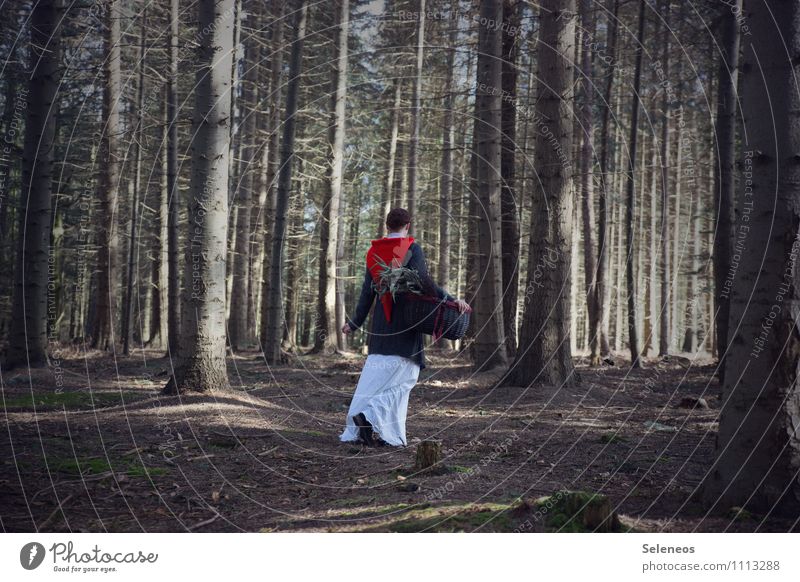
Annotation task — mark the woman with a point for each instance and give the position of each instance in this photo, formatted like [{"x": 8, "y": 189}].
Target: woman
[{"x": 377, "y": 414}]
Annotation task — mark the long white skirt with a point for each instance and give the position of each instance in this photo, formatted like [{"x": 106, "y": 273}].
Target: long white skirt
[{"x": 382, "y": 396}]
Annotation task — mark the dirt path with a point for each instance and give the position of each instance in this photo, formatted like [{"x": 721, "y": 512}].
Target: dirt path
[{"x": 100, "y": 450}]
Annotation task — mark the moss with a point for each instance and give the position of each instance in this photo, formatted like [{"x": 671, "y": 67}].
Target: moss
[
  {"x": 577, "y": 511},
  {"x": 97, "y": 465},
  {"x": 140, "y": 471},
  {"x": 82, "y": 466},
  {"x": 739, "y": 514}
]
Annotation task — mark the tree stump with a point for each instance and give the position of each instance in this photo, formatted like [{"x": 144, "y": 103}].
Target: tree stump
[{"x": 429, "y": 454}]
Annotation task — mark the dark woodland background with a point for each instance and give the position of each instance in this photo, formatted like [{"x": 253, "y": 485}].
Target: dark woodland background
[{"x": 188, "y": 189}]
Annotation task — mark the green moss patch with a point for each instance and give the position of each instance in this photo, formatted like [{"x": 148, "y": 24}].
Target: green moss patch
[
  {"x": 98, "y": 465},
  {"x": 91, "y": 466},
  {"x": 577, "y": 511},
  {"x": 740, "y": 514}
]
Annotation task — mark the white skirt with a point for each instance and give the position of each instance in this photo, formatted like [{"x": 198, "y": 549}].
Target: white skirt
[{"x": 382, "y": 396}]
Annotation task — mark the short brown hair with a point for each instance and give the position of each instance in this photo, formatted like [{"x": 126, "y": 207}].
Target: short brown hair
[{"x": 397, "y": 218}]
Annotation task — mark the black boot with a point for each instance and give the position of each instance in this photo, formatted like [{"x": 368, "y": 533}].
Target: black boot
[{"x": 364, "y": 429}]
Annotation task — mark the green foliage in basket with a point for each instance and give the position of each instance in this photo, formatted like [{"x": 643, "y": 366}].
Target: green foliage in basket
[{"x": 396, "y": 280}]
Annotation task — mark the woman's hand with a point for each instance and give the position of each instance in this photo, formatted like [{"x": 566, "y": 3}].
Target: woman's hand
[
  {"x": 462, "y": 305},
  {"x": 346, "y": 328}
]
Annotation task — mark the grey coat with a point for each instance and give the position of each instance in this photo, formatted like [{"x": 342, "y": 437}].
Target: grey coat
[{"x": 395, "y": 338}]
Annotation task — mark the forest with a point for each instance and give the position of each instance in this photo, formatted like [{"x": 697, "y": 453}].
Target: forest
[{"x": 188, "y": 191}]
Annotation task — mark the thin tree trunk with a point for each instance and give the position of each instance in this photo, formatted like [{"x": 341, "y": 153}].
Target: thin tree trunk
[
  {"x": 677, "y": 274},
  {"x": 293, "y": 251},
  {"x": 725, "y": 183},
  {"x": 642, "y": 287},
  {"x": 201, "y": 351},
  {"x": 173, "y": 192},
  {"x": 619, "y": 279},
  {"x": 340, "y": 275},
  {"x": 603, "y": 297},
  {"x": 268, "y": 170},
  {"x": 508, "y": 193},
  {"x": 327, "y": 335},
  {"x": 105, "y": 312},
  {"x": 29, "y": 324},
  {"x": 133, "y": 263},
  {"x": 448, "y": 155},
  {"x": 272, "y": 341},
  {"x": 391, "y": 158},
  {"x": 416, "y": 117},
  {"x": 401, "y": 187},
  {"x": 160, "y": 305},
  {"x": 691, "y": 331},
  {"x": 665, "y": 320},
  {"x": 587, "y": 181},
  {"x": 239, "y": 328},
  {"x": 652, "y": 302},
  {"x": 633, "y": 337}
]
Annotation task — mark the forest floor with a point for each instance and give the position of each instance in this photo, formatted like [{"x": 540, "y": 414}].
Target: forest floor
[{"x": 97, "y": 448}]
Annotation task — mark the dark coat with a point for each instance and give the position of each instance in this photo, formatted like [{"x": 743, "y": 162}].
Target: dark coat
[{"x": 395, "y": 338}]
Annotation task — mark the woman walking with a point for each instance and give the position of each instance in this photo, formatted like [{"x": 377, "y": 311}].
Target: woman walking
[{"x": 377, "y": 414}]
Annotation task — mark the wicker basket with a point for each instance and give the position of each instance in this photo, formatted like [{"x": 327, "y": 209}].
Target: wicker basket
[{"x": 436, "y": 317}]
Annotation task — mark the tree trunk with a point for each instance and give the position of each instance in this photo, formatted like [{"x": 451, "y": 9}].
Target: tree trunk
[
  {"x": 416, "y": 114},
  {"x": 510, "y": 237},
  {"x": 489, "y": 344},
  {"x": 326, "y": 339},
  {"x": 391, "y": 159},
  {"x": 633, "y": 337},
  {"x": 160, "y": 273},
  {"x": 619, "y": 271},
  {"x": 691, "y": 332},
  {"x": 587, "y": 180},
  {"x": 133, "y": 255},
  {"x": 653, "y": 285},
  {"x": 448, "y": 156},
  {"x": 240, "y": 329},
  {"x": 293, "y": 270},
  {"x": 274, "y": 290},
  {"x": 544, "y": 355},
  {"x": 677, "y": 189},
  {"x": 642, "y": 288},
  {"x": 201, "y": 351},
  {"x": 758, "y": 449},
  {"x": 665, "y": 321},
  {"x": 603, "y": 297},
  {"x": 173, "y": 191},
  {"x": 105, "y": 311},
  {"x": 341, "y": 274},
  {"x": 270, "y": 157},
  {"x": 29, "y": 324},
  {"x": 725, "y": 183}
]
